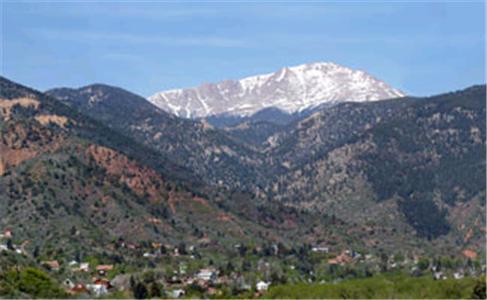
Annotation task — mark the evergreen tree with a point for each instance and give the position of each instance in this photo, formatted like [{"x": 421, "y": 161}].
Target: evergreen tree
[{"x": 140, "y": 291}]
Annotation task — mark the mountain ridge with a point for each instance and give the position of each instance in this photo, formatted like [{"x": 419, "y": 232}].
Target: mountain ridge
[
  {"x": 329, "y": 162},
  {"x": 291, "y": 89}
]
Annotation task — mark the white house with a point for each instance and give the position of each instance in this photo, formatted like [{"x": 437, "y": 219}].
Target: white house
[
  {"x": 73, "y": 263},
  {"x": 206, "y": 275},
  {"x": 68, "y": 283},
  {"x": 175, "y": 293},
  {"x": 84, "y": 267},
  {"x": 97, "y": 289},
  {"x": 320, "y": 249},
  {"x": 262, "y": 286},
  {"x": 439, "y": 276}
]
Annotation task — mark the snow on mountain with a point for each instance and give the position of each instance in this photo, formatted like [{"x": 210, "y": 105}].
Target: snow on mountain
[{"x": 290, "y": 89}]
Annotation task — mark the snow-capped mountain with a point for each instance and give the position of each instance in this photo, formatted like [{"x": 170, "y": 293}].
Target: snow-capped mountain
[{"x": 290, "y": 89}]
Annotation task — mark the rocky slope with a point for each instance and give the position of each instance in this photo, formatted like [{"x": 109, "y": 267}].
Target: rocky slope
[
  {"x": 386, "y": 169},
  {"x": 290, "y": 89},
  {"x": 210, "y": 154},
  {"x": 61, "y": 167},
  {"x": 417, "y": 166}
]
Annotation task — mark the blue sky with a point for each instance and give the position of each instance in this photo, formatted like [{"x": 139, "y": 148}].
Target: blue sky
[{"x": 421, "y": 48}]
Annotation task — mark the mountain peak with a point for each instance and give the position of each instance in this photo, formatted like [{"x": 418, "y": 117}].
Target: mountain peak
[{"x": 290, "y": 89}]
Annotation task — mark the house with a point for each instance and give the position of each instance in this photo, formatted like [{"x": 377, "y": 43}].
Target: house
[
  {"x": 78, "y": 288},
  {"x": 458, "y": 275},
  {"x": 7, "y": 233},
  {"x": 156, "y": 245},
  {"x": 101, "y": 281},
  {"x": 469, "y": 254},
  {"x": 320, "y": 249},
  {"x": 73, "y": 263},
  {"x": 207, "y": 275},
  {"x": 175, "y": 293},
  {"x": 174, "y": 280},
  {"x": 103, "y": 269},
  {"x": 84, "y": 267},
  {"x": 97, "y": 289},
  {"x": 341, "y": 259},
  {"x": 51, "y": 264},
  {"x": 262, "y": 286},
  {"x": 68, "y": 283},
  {"x": 439, "y": 276}
]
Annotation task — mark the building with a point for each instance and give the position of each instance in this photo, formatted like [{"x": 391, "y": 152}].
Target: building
[
  {"x": 7, "y": 234},
  {"x": 262, "y": 286},
  {"x": 320, "y": 249},
  {"x": 207, "y": 275},
  {"x": 97, "y": 289},
  {"x": 84, "y": 267},
  {"x": 68, "y": 283},
  {"x": 458, "y": 275},
  {"x": 73, "y": 263},
  {"x": 469, "y": 254},
  {"x": 341, "y": 259},
  {"x": 175, "y": 293},
  {"x": 103, "y": 269},
  {"x": 101, "y": 281},
  {"x": 439, "y": 276},
  {"x": 51, "y": 264},
  {"x": 78, "y": 288}
]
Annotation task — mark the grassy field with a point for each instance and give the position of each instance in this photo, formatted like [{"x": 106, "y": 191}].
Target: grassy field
[{"x": 382, "y": 287}]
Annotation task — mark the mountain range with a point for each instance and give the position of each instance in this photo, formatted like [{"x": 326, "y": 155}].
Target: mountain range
[{"x": 372, "y": 174}]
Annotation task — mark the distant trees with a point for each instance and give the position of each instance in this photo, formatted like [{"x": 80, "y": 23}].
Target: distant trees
[
  {"x": 423, "y": 214},
  {"x": 480, "y": 289},
  {"x": 29, "y": 281},
  {"x": 146, "y": 287},
  {"x": 140, "y": 291},
  {"x": 423, "y": 263},
  {"x": 242, "y": 250},
  {"x": 182, "y": 248}
]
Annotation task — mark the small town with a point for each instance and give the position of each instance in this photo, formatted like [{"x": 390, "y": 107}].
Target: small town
[{"x": 180, "y": 271}]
